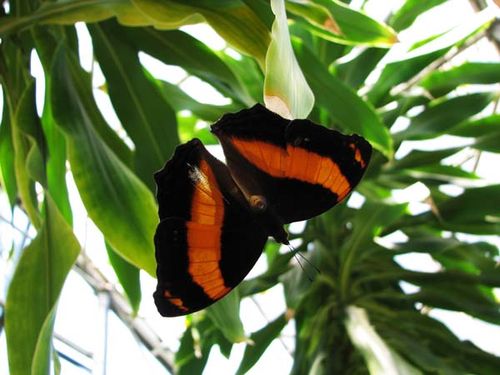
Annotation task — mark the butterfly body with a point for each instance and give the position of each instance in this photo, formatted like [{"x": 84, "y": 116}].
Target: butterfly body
[{"x": 215, "y": 219}]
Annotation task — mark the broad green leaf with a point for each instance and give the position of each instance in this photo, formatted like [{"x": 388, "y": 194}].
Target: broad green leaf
[
  {"x": 143, "y": 111},
  {"x": 121, "y": 206},
  {"x": 175, "y": 47},
  {"x": 45, "y": 262},
  {"x": 225, "y": 314},
  {"x": 336, "y": 22},
  {"x": 260, "y": 342},
  {"x": 411, "y": 9},
  {"x": 232, "y": 19},
  {"x": 342, "y": 103},
  {"x": 286, "y": 91},
  {"x": 439, "y": 83},
  {"x": 442, "y": 115},
  {"x": 129, "y": 277},
  {"x": 402, "y": 70}
]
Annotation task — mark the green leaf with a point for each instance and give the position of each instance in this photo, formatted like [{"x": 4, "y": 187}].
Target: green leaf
[
  {"x": 279, "y": 266},
  {"x": 474, "y": 204},
  {"x": 490, "y": 142},
  {"x": 174, "y": 47},
  {"x": 342, "y": 103},
  {"x": 442, "y": 115},
  {"x": 44, "y": 350},
  {"x": 368, "y": 223},
  {"x": 7, "y": 155},
  {"x": 24, "y": 147},
  {"x": 44, "y": 264},
  {"x": 248, "y": 71},
  {"x": 129, "y": 277},
  {"x": 397, "y": 72},
  {"x": 459, "y": 297},
  {"x": 180, "y": 101},
  {"x": 225, "y": 314},
  {"x": 478, "y": 127},
  {"x": 45, "y": 43},
  {"x": 196, "y": 344},
  {"x": 232, "y": 19},
  {"x": 355, "y": 71},
  {"x": 439, "y": 83},
  {"x": 336, "y": 22},
  {"x": 417, "y": 158},
  {"x": 117, "y": 201},
  {"x": 379, "y": 357},
  {"x": 286, "y": 91},
  {"x": 411, "y": 9},
  {"x": 143, "y": 111},
  {"x": 260, "y": 342}
]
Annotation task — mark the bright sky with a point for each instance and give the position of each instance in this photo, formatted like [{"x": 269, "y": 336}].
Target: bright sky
[{"x": 79, "y": 317}]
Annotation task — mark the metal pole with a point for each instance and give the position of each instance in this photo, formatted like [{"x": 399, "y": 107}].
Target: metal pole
[{"x": 100, "y": 353}]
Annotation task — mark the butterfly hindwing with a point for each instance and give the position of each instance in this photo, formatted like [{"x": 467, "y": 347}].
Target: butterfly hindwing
[
  {"x": 303, "y": 169},
  {"x": 207, "y": 241}
]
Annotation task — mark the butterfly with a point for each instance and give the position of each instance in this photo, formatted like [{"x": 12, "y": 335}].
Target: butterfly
[{"x": 215, "y": 218}]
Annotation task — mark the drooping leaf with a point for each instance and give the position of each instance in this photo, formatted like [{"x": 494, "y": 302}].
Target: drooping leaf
[
  {"x": 181, "y": 101},
  {"x": 44, "y": 264},
  {"x": 286, "y": 91},
  {"x": 175, "y": 47},
  {"x": 232, "y": 19},
  {"x": 116, "y": 200}
]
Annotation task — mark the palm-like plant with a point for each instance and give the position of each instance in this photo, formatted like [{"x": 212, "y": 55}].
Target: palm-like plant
[{"x": 356, "y": 308}]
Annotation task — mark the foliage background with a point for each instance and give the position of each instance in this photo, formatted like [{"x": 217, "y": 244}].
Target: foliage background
[{"x": 397, "y": 104}]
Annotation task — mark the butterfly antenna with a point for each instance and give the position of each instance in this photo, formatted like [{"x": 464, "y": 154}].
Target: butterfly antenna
[
  {"x": 293, "y": 250},
  {"x": 309, "y": 262}
]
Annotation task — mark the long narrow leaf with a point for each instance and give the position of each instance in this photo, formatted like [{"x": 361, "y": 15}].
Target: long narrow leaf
[
  {"x": 35, "y": 288},
  {"x": 116, "y": 200},
  {"x": 143, "y": 111}
]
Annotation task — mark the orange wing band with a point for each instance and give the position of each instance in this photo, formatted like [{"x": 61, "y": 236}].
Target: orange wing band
[
  {"x": 204, "y": 234},
  {"x": 296, "y": 163}
]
